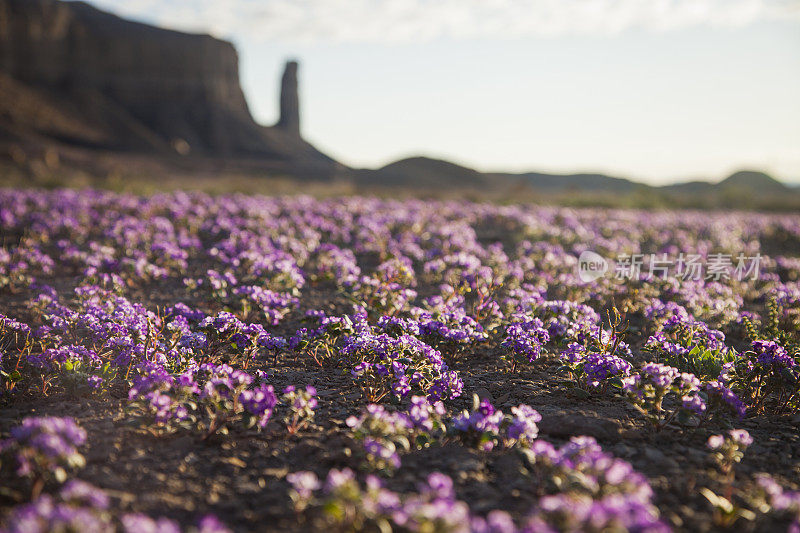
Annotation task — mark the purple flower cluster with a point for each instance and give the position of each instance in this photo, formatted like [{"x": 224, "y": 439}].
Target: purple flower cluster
[
  {"x": 45, "y": 447},
  {"x": 347, "y": 505},
  {"x": 323, "y": 341},
  {"x": 83, "y": 507},
  {"x": 768, "y": 377},
  {"x": 601, "y": 494},
  {"x": 485, "y": 426},
  {"x": 13, "y": 332},
  {"x": 381, "y": 433},
  {"x": 524, "y": 340},
  {"x": 690, "y": 345},
  {"x": 209, "y": 397},
  {"x": 780, "y": 501},
  {"x": 424, "y": 415},
  {"x": 566, "y": 320},
  {"x": 382, "y": 364},
  {"x": 522, "y": 426},
  {"x": 259, "y": 402},
  {"x": 450, "y": 328},
  {"x": 659, "y": 311},
  {"x": 385, "y": 433},
  {"x": 301, "y": 404},
  {"x": 119, "y": 339},
  {"x": 594, "y": 369},
  {"x": 332, "y": 263},
  {"x": 737, "y": 437},
  {"x": 481, "y": 427},
  {"x": 80, "y": 507},
  {"x": 694, "y": 333},
  {"x": 655, "y": 382},
  {"x": 729, "y": 449},
  {"x": 388, "y": 291},
  {"x": 446, "y": 328},
  {"x": 720, "y": 398},
  {"x": 770, "y": 353},
  {"x": 274, "y": 305},
  {"x": 601, "y": 367},
  {"x": 611, "y": 513},
  {"x": 160, "y": 393}
]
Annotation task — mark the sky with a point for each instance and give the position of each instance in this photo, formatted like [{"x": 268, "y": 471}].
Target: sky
[{"x": 653, "y": 90}]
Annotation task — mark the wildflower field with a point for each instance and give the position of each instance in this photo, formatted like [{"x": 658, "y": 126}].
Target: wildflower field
[{"x": 186, "y": 362}]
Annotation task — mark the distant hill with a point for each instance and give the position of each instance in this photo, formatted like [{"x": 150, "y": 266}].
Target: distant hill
[
  {"x": 743, "y": 181},
  {"x": 433, "y": 173},
  {"x": 586, "y": 182},
  {"x": 424, "y": 172},
  {"x": 752, "y": 179}
]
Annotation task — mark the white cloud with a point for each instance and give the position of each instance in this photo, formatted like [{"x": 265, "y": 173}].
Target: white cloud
[{"x": 419, "y": 20}]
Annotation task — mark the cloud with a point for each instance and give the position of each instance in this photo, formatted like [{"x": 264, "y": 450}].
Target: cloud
[{"x": 398, "y": 21}]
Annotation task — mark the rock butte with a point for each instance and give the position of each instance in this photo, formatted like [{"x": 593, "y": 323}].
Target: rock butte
[{"x": 95, "y": 80}]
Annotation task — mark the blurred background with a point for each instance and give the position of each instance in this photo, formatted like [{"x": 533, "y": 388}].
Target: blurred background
[{"x": 588, "y": 102}]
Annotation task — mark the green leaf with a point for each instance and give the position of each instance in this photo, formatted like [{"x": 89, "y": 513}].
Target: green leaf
[{"x": 333, "y": 510}]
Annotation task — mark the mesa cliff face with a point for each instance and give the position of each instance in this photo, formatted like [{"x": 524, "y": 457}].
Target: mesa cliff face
[{"x": 132, "y": 87}]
